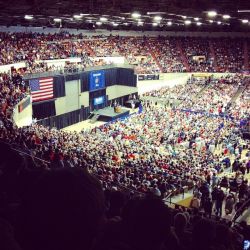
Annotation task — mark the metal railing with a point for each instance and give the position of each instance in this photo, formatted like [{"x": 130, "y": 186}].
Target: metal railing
[
  {"x": 241, "y": 210},
  {"x": 68, "y": 71}
]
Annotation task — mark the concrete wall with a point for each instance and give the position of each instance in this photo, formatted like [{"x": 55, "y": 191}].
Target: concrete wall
[
  {"x": 167, "y": 80},
  {"x": 24, "y": 118},
  {"x": 72, "y": 100},
  {"x": 119, "y": 90},
  {"x": 84, "y": 99},
  {"x": 170, "y": 80}
]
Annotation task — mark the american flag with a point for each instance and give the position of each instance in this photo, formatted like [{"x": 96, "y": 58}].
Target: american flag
[{"x": 41, "y": 89}]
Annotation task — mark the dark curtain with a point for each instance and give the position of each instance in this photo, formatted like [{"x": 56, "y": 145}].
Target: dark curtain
[
  {"x": 126, "y": 77},
  {"x": 44, "y": 109},
  {"x": 110, "y": 77},
  {"x": 59, "y": 86},
  {"x": 84, "y": 77},
  {"x": 67, "y": 119},
  {"x": 97, "y": 93},
  {"x": 72, "y": 77}
]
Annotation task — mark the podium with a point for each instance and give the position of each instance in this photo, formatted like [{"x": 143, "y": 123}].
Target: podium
[{"x": 118, "y": 109}]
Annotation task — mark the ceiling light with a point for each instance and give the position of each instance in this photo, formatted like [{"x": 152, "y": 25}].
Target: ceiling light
[
  {"x": 28, "y": 17},
  {"x": 196, "y": 18},
  {"x": 212, "y": 13},
  {"x": 219, "y": 22},
  {"x": 126, "y": 24},
  {"x": 140, "y": 23},
  {"x": 187, "y": 22},
  {"x": 198, "y": 23},
  {"x": 184, "y": 17},
  {"x": 57, "y": 20},
  {"x": 98, "y": 23},
  {"x": 155, "y": 24},
  {"x": 226, "y": 16},
  {"x": 103, "y": 19},
  {"x": 169, "y": 23},
  {"x": 158, "y": 18},
  {"x": 211, "y": 21},
  {"x": 115, "y": 24},
  {"x": 244, "y": 21},
  {"x": 136, "y": 15},
  {"x": 77, "y": 16}
]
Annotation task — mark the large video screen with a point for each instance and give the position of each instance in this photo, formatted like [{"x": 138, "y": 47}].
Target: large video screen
[
  {"x": 97, "y": 80},
  {"x": 99, "y": 100}
]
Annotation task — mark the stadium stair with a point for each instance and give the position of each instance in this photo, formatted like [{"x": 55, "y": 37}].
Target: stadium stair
[
  {"x": 183, "y": 57},
  {"x": 94, "y": 118},
  {"x": 196, "y": 96},
  {"x": 212, "y": 52},
  {"x": 246, "y": 59},
  {"x": 156, "y": 60},
  {"x": 237, "y": 94}
]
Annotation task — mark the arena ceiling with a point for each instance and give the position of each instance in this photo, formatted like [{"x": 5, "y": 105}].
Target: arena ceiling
[{"x": 228, "y": 15}]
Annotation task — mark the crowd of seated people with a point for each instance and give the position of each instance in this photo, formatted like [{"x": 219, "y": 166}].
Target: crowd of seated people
[
  {"x": 180, "y": 92},
  {"x": 68, "y": 209},
  {"x": 166, "y": 53},
  {"x": 216, "y": 96},
  {"x": 131, "y": 148},
  {"x": 229, "y": 54},
  {"x": 12, "y": 90},
  {"x": 156, "y": 151},
  {"x": 150, "y": 55},
  {"x": 241, "y": 106}
]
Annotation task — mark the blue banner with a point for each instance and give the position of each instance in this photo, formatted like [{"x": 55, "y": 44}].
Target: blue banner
[{"x": 97, "y": 80}]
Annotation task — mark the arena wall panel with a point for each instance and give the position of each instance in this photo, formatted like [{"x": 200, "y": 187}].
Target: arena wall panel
[
  {"x": 72, "y": 95},
  {"x": 84, "y": 99},
  {"x": 117, "y": 91},
  {"x": 168, "y": 80},
  {"x": 23, "y": 116}
]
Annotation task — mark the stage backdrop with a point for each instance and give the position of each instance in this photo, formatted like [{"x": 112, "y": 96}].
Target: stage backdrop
[{"x": 97, "y": 80}]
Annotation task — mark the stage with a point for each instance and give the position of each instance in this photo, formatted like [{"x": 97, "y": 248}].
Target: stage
[{"x": 107, "y": 114}]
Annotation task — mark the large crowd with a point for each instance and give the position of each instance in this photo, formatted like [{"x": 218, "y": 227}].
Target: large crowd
[
  {"x": 148, "y": 54},
  {"x": 54, "y": 203}
]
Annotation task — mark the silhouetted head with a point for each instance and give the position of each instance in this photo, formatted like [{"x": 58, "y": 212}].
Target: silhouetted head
[{"x": 63, "y": 210}]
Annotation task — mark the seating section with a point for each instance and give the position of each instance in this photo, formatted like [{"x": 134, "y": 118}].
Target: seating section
[{"x": 148, "y": 54}]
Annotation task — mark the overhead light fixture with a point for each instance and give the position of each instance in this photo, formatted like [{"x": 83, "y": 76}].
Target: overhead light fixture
[
  {"x": 243, "y": 11},
  {"x": 169, "y": 23},
  {"x": 57, "y": 20},
  {"x": 198, "y": 23},
  {"x": 226, "y": 16},
  {"x": 126, "y": 24},
  {"x": 140, "y": 23},
  {"x": 244, "y": 21},
  {"x": 184, "y": 17},
  {"x": 77, "y": 16},
  {"x": 115, "y": 24},
  {"x": 157, "y": 18},
  {"x": 98, "y": 23},
  {"x": 155, "y": 24},
  {"x": 196, "y": 18},
  {"x": 212, "y": 13},
  {"x": 211, "y": 21},
  {"x": 219, "y": 22},
  {"x": 187, "y": 22},
  {"x": 28, "y": 17},
  {"x": 136, "y": 15},
  {"x": 103, "y": 19}
]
